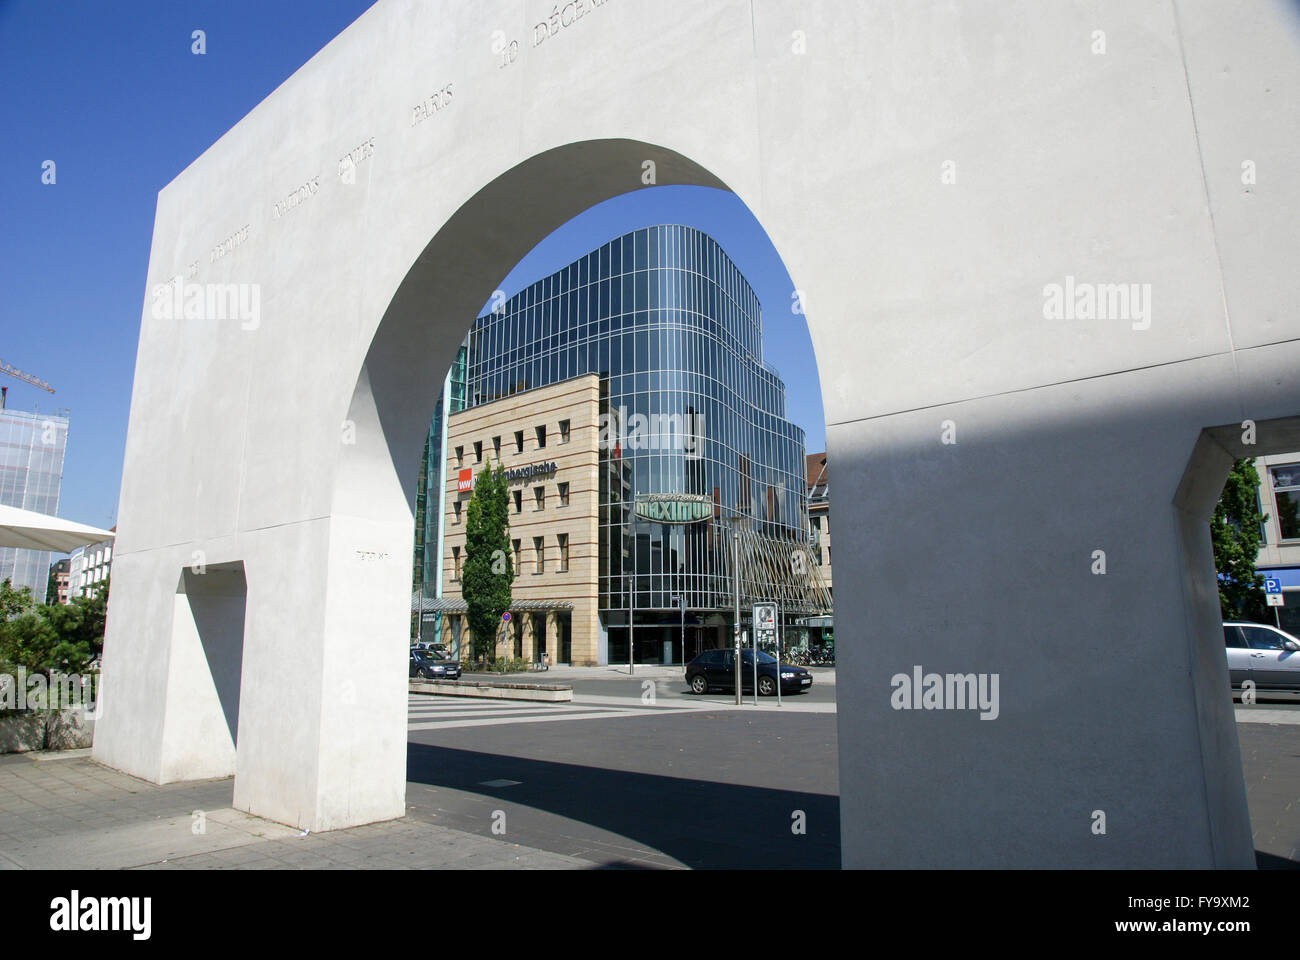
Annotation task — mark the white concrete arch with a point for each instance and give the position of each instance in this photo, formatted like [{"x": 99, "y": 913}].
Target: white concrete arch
[{"x": 928, "y": 171}]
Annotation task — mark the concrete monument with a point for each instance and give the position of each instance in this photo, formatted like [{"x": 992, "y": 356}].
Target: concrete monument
[{"x": 1047, "y": 255}]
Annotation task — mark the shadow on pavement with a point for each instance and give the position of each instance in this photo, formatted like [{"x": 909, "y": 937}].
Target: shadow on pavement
[
  {"x": 1269, "y": 861},
  {"x": 702, "y": 824}
]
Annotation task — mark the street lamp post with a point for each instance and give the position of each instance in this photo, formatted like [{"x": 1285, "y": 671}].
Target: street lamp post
[
  {"x": 680, "y": 600},
  {"x": 735, "y": 569},
  {"x": 631, "y": 603}
]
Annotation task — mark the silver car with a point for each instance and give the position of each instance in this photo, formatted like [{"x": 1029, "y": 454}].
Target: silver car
[{"x": 1264, "y": 655}]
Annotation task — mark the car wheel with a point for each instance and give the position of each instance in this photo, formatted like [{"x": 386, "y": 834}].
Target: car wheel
[
  {"x": 766, "y": 687},
  {"x": 699, "y": 684}
]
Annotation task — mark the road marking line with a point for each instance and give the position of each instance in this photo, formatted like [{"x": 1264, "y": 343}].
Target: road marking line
[
  {"x": 490, "y": 721},
  {"x": 458, "y": 714},
  {"x": 456, "y": 703},
  {"x": 494, "y": 705},
  {"x": 634, "y": 700},
  {"x": 1264, "y": 715}
]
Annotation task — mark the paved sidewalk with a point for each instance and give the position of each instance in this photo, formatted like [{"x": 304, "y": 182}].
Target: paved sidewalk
[{"x": 64, "y": 811}]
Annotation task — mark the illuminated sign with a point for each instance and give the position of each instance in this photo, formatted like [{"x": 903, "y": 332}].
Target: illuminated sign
[
  {"x": 674, "y": 508},
  {"x": 465, "y": 480}
]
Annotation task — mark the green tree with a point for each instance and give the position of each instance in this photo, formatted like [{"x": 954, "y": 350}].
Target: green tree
[
  {"x": 1235, "y": 534},
  {"x": 488, "y": 571},
  {"x": 63, "y": 637},
  {"x": 13, "y": 602}
]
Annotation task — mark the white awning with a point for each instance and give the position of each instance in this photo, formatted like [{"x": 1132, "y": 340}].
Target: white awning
[{"x": 28, "y": 530}]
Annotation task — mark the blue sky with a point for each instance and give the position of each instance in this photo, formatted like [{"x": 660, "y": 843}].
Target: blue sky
[{"x": 113, "y": 95}]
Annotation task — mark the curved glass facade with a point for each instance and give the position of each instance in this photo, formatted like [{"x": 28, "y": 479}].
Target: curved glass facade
[{"x": 673, "y": 330}]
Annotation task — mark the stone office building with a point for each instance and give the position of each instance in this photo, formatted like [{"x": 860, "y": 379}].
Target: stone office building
[
  {"x": 818, "y": 630},
  {"x": 627, "y": 397},
  {"x": 1279, "y": 549}
]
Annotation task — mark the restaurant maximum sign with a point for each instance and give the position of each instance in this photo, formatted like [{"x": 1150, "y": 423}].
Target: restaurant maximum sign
[{"x": 674, "y": 508}]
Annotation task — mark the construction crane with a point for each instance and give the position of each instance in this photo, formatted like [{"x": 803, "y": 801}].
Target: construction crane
[{"x": 19, "y": 375}]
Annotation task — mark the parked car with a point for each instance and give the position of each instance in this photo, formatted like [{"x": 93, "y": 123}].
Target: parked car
[
  {"x": 426, "y": 666},
  {"x": 437, "y": 649},
  {"x": 715, "y": 670},
  {"x": 1265, "y": 655}
]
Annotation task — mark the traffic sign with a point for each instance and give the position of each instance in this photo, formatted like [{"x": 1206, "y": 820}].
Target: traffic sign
[
  {"x": 1275, "y": 599},
  {"x": 1272, "y": 585},
  {"x": 506, "y": 616}
]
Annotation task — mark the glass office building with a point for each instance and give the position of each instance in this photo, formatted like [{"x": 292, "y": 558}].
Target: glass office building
[
  {"x": 31, "y": 471},
  {"x": 688, "y": 407},
  {"x": 428, "y": 508},
  {"x": 426, "y": 574}
]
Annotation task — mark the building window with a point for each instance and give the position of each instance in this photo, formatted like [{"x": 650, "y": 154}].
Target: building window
[
  {"x": 517, "y": 547},
  {"x": 496, "y": 447},
  {"x": 460, "y": 456},
  {"x": 519, "y": 501},
  {"x": 563, "y": 539},
  {"x": 456, "y": 506},
  {"x": 519, "y": 441},
  {"x": 1286, "y": 492},
  {"x": 564, "y": 431},
  {"x": 455, "y": 563},
  {"x": 541, "y": 437},
  {"x": 564, "y": 494},
  {"x": 478, "y": 451},
  {"x": 539, "y": 495},
  {"x": 539, "y": 547}
]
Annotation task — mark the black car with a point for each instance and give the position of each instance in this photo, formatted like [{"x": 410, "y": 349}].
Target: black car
[
  {"x": 426, "y": 666},
  {"x": 716, "y": 670}
]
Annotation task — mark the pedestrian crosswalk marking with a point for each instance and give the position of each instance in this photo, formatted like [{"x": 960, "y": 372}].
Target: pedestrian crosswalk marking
[
  {"x": 533, "y": 718},
  {"x": 459, "y": 714},
  {"x": 439, "y": 713}
]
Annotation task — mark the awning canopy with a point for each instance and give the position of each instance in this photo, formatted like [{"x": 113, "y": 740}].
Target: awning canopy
[
  {"x": 458, "y": 605},
  {"x": 1290, "y": 576},
  {"x": 27, "y": 530}
]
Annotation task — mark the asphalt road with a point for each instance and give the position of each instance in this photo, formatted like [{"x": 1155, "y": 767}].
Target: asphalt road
[
  {"x": 666, "y": 789},
  {"x": 678, "y": 784}
]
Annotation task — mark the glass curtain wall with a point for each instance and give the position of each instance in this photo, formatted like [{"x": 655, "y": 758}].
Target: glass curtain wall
[
  {"x": 675, "y": 332},
  {"x": 428, "y": 501},
  {"x": 31, "y": 472}
]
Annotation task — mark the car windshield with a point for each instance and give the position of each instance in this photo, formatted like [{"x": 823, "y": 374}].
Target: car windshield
[{"x": 762, "y": 657}]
